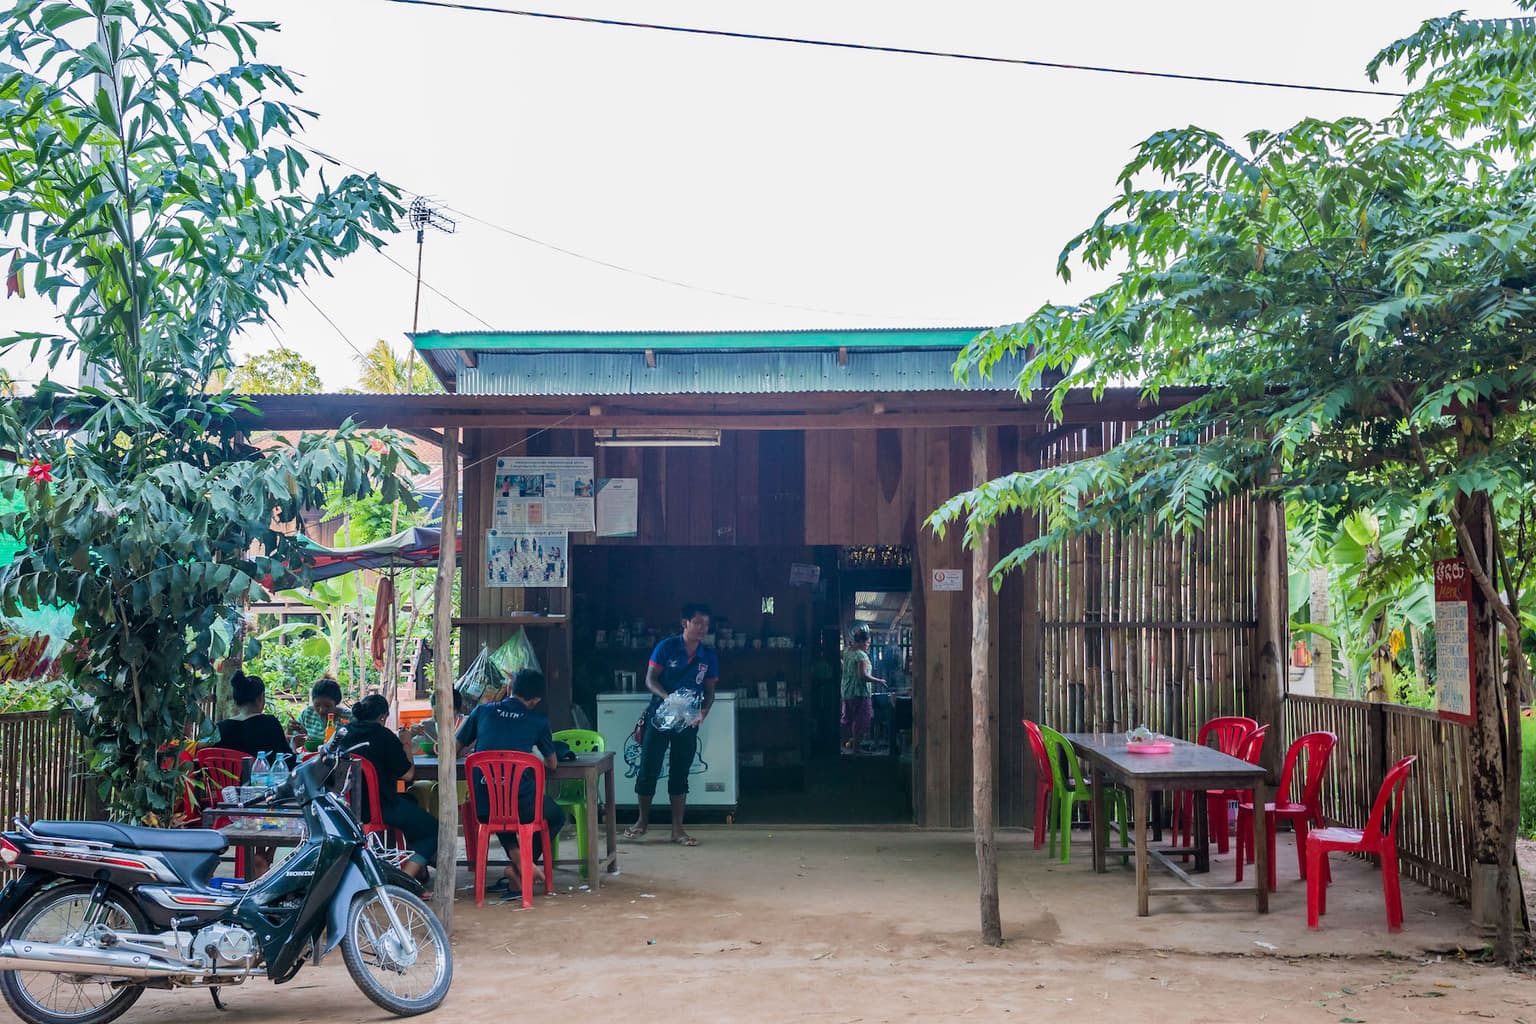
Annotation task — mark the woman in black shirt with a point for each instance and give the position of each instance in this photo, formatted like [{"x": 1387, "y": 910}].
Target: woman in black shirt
[
  {"x": 250, "y": 729},
  {"x": 392, "y": 765}
]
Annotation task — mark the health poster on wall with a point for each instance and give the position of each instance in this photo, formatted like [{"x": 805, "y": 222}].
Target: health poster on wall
[
  {"x": 516, "y": 558},
  {"x": 618, "y": 507},
  {"x": 1454, "y": 696},
  {"x": 533, "y": 494}
]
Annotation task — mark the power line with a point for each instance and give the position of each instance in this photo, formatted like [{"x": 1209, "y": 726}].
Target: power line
[
  {"x": 334, "y": 327},
  {"x": 597, "y": 261},
  {"x": 903, "y": 50},
  {"x": 438, "y": 292}
]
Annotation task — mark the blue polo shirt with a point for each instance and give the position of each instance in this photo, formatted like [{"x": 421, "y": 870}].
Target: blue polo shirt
[
  {"x": 507, "y": 725},
  {"x": 680, "y": 672}
]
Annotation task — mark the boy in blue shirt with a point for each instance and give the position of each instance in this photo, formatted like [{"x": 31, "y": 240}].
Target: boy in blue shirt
[
  {"x": 678, "y": 664},
  {"x": 516, "y": 723}
]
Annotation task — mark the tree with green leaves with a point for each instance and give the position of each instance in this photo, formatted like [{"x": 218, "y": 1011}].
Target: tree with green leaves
[
  {"x": 151, "y": 188},
  {"x": 382, "y": 371},
  {"x": 1357, "y": 297},
  {"x": 280, "y": 371}
]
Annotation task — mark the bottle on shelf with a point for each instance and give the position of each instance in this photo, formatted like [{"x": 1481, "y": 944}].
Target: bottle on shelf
[{"x": 261, "y": 771}]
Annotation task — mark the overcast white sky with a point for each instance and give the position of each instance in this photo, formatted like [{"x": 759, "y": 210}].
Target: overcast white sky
[{"x": 834, "y": 188}]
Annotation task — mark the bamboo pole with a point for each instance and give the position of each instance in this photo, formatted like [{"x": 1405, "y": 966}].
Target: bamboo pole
[
  {"x": 981, "y": 712},
  {"x": 442, "y": 686}
]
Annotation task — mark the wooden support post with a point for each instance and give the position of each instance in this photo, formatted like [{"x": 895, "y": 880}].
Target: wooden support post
[
  {"x": 442, "y": 686},
  {"x": 982, "y": 725},
  {"x": 1266, "y": 690}
]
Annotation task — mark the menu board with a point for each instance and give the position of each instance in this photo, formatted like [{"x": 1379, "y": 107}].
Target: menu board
[
  {"x": 1455, "y": 697},
  {"x": 543, "y": 494}
]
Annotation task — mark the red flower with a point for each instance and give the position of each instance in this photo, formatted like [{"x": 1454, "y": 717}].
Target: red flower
[
  {"x": 376, "y": 445},
  {"x": 40, "y": 471}
]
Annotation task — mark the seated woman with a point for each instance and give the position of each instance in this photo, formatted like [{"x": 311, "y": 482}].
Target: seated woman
[
  {"x": 425, "y": 792},
  {"x": 250, "y": 729},
  {"x": 393, "y": 766}
]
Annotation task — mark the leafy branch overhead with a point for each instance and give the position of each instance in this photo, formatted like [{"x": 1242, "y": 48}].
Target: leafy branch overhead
[{"x": 1353, "y": 294}]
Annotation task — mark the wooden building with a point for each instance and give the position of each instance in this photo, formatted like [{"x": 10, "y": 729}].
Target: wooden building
[{"x": 785, "y": 477}]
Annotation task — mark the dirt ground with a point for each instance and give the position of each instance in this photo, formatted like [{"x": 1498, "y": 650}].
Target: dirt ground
[{"x": 865, "y": 926}]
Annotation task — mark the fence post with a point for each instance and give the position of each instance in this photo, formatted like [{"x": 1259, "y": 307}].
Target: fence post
[{"x": 1376, "y": 746}]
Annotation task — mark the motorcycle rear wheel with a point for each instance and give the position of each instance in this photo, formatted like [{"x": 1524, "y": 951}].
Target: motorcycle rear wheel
[
  {"x": 393, "y": 979},
  {"x": 44, "y": 998}
]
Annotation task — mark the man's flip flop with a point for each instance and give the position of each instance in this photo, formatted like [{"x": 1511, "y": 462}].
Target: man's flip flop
[
  {"x": 631, "y": 833},
  {"x": 685, "y": 840}
]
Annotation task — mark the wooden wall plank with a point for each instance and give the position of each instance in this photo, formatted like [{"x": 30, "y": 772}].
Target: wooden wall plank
[
  {"x": 722, "y": 489},
  {"x": 844, "y": 499},
  {"x": 864, "y": 503},
  {"x": 748, "y": 501},
  {"x": 818, "y": 495}
]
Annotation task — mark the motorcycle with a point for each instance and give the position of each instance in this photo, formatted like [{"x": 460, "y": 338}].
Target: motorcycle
[{"x": 103, "y": 911}]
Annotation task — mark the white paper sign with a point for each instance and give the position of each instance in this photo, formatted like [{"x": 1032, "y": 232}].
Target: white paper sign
[
  {"x": 533, "y": 494},
  {"x": 949, "y": 579},
  {"x": 804, "y": 574},
  {"x": 517, "y": 559},
  {"x": 618, "y": 507}
]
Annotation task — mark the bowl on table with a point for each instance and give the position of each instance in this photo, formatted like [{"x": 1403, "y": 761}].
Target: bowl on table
[{"x": 427, "y": 748}]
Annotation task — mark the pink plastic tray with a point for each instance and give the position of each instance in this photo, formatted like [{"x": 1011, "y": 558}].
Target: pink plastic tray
[{"x": 1160, "y": 747}]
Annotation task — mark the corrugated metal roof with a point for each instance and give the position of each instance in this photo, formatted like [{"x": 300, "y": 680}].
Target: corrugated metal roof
[
  {"x": 697, "y": 341},
  {"x": 735, "y": 373}
]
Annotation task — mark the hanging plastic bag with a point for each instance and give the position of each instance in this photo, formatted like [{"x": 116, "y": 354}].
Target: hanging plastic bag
[
  {"x": 515, "y": 655},
  {"x": 480, "y": 678}
]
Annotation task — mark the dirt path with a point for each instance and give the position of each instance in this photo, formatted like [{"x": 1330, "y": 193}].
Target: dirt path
[{"x": 856, "y": 927}]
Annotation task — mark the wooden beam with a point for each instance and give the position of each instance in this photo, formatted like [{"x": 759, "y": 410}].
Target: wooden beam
[
  {"x": 442, "y": 685},
  {"x": 650, "y": 358},
  {"x": 432, "y": 437},
  {"x": 982, "y": 794},
  {"x": 842, "y": 355},
  {"x": 471, "y": 358},
  {"x": 1269, "y": 673}
]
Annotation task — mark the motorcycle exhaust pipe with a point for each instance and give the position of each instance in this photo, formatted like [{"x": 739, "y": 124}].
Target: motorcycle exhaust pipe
[{"x": 51, "y": 958}]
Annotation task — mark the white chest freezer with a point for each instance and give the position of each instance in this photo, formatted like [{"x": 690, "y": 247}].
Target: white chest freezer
[{"x": 711, "y": 780}]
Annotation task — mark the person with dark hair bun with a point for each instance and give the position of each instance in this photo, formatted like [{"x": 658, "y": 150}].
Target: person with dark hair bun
[
  {"x": 393, "y": 766},
  {"x": 250, "y": 729}
]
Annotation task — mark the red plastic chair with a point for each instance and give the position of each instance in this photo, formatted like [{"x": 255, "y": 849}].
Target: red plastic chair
[
  {"x": 503, "y": 773},
  {"x": 373, "y": 822},
  {"x": 1231, "y": 733},
  {"x": 1379, "y": 837},
  {"x": 1312, "y": 753},
  {"x": 217, "y": 767},
  {"x": 1217, "y": 799},
  {"x": 1043, "y": 782}
]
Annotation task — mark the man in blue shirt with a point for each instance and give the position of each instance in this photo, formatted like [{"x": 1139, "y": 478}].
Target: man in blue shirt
[
  {"x": 515, "y": 723},
  {"x": 679, "y": 665}
]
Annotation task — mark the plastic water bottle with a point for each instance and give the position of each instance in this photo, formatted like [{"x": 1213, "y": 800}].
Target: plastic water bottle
[
  {"x": 261, "y": 771},
  {"x": 280, "y": 771}
]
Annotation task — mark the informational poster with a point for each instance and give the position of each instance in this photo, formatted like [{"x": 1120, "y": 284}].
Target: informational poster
[
  {"x": 804, "y": 574},
  {"x": 515, "y": 558},
  {"x": 949, "y": 579},
  {"x": 1454, "y": 696},
  {"x": 534, "y": 494},
  {"x": 618, "y": 507}
]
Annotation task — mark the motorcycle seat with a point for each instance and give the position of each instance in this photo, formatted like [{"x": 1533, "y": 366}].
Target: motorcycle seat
[{"x": 134, "y": 837}]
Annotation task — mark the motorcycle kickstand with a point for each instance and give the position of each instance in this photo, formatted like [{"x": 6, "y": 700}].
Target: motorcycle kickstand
[{"x": 218, "y": 1004}]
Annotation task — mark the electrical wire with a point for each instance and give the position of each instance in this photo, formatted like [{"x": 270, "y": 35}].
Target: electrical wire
[
  {"x": 435, "y": 291},
  {"x": 334, "y": 326},
  {"x": 902, "y": 50},
  {"x": 597, "y": 261}
]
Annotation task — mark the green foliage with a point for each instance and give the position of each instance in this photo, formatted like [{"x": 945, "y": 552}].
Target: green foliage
[
  {"x": 281, "y": 371},
  {"x": 382, "y": 371},
  {"x": 153, "y": 193},
  {"x": 1528, "y": 776},
  {"x": 287, "y": 668}
]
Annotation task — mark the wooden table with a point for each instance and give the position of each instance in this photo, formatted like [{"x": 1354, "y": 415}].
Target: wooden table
[
  {"x": 588, "y": 768},
  {"x": 1188, "y": 766}
]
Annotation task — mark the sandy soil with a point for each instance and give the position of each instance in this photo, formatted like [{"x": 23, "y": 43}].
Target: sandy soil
[{"x": 865, "y": 926}]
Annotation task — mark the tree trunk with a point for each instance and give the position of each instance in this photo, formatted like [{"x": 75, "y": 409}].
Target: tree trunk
[
  {"x": 442, "y": 686},
  {"x": 1489, "y": 883},
  {"x": 1376, "y": 662},
  {"x": 1322, "y": 615},
  {"x": 1267, "y": 680},
  {"x": 982, "y": 801}
]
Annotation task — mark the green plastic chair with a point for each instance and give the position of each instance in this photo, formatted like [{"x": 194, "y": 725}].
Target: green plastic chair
[
  {"x": 572, "y": 796},
  {"x": 1069, "y": 784}
]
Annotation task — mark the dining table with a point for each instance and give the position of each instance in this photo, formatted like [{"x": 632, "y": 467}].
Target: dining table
[
  {"x": 589, "y": 768},
  {"x": 1184, "y": 766}
]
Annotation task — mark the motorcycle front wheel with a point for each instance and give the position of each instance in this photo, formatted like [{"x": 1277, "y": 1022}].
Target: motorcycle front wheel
[
  {"x": 404, "y": 977},
  {"x": 57, "y": 916}
]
